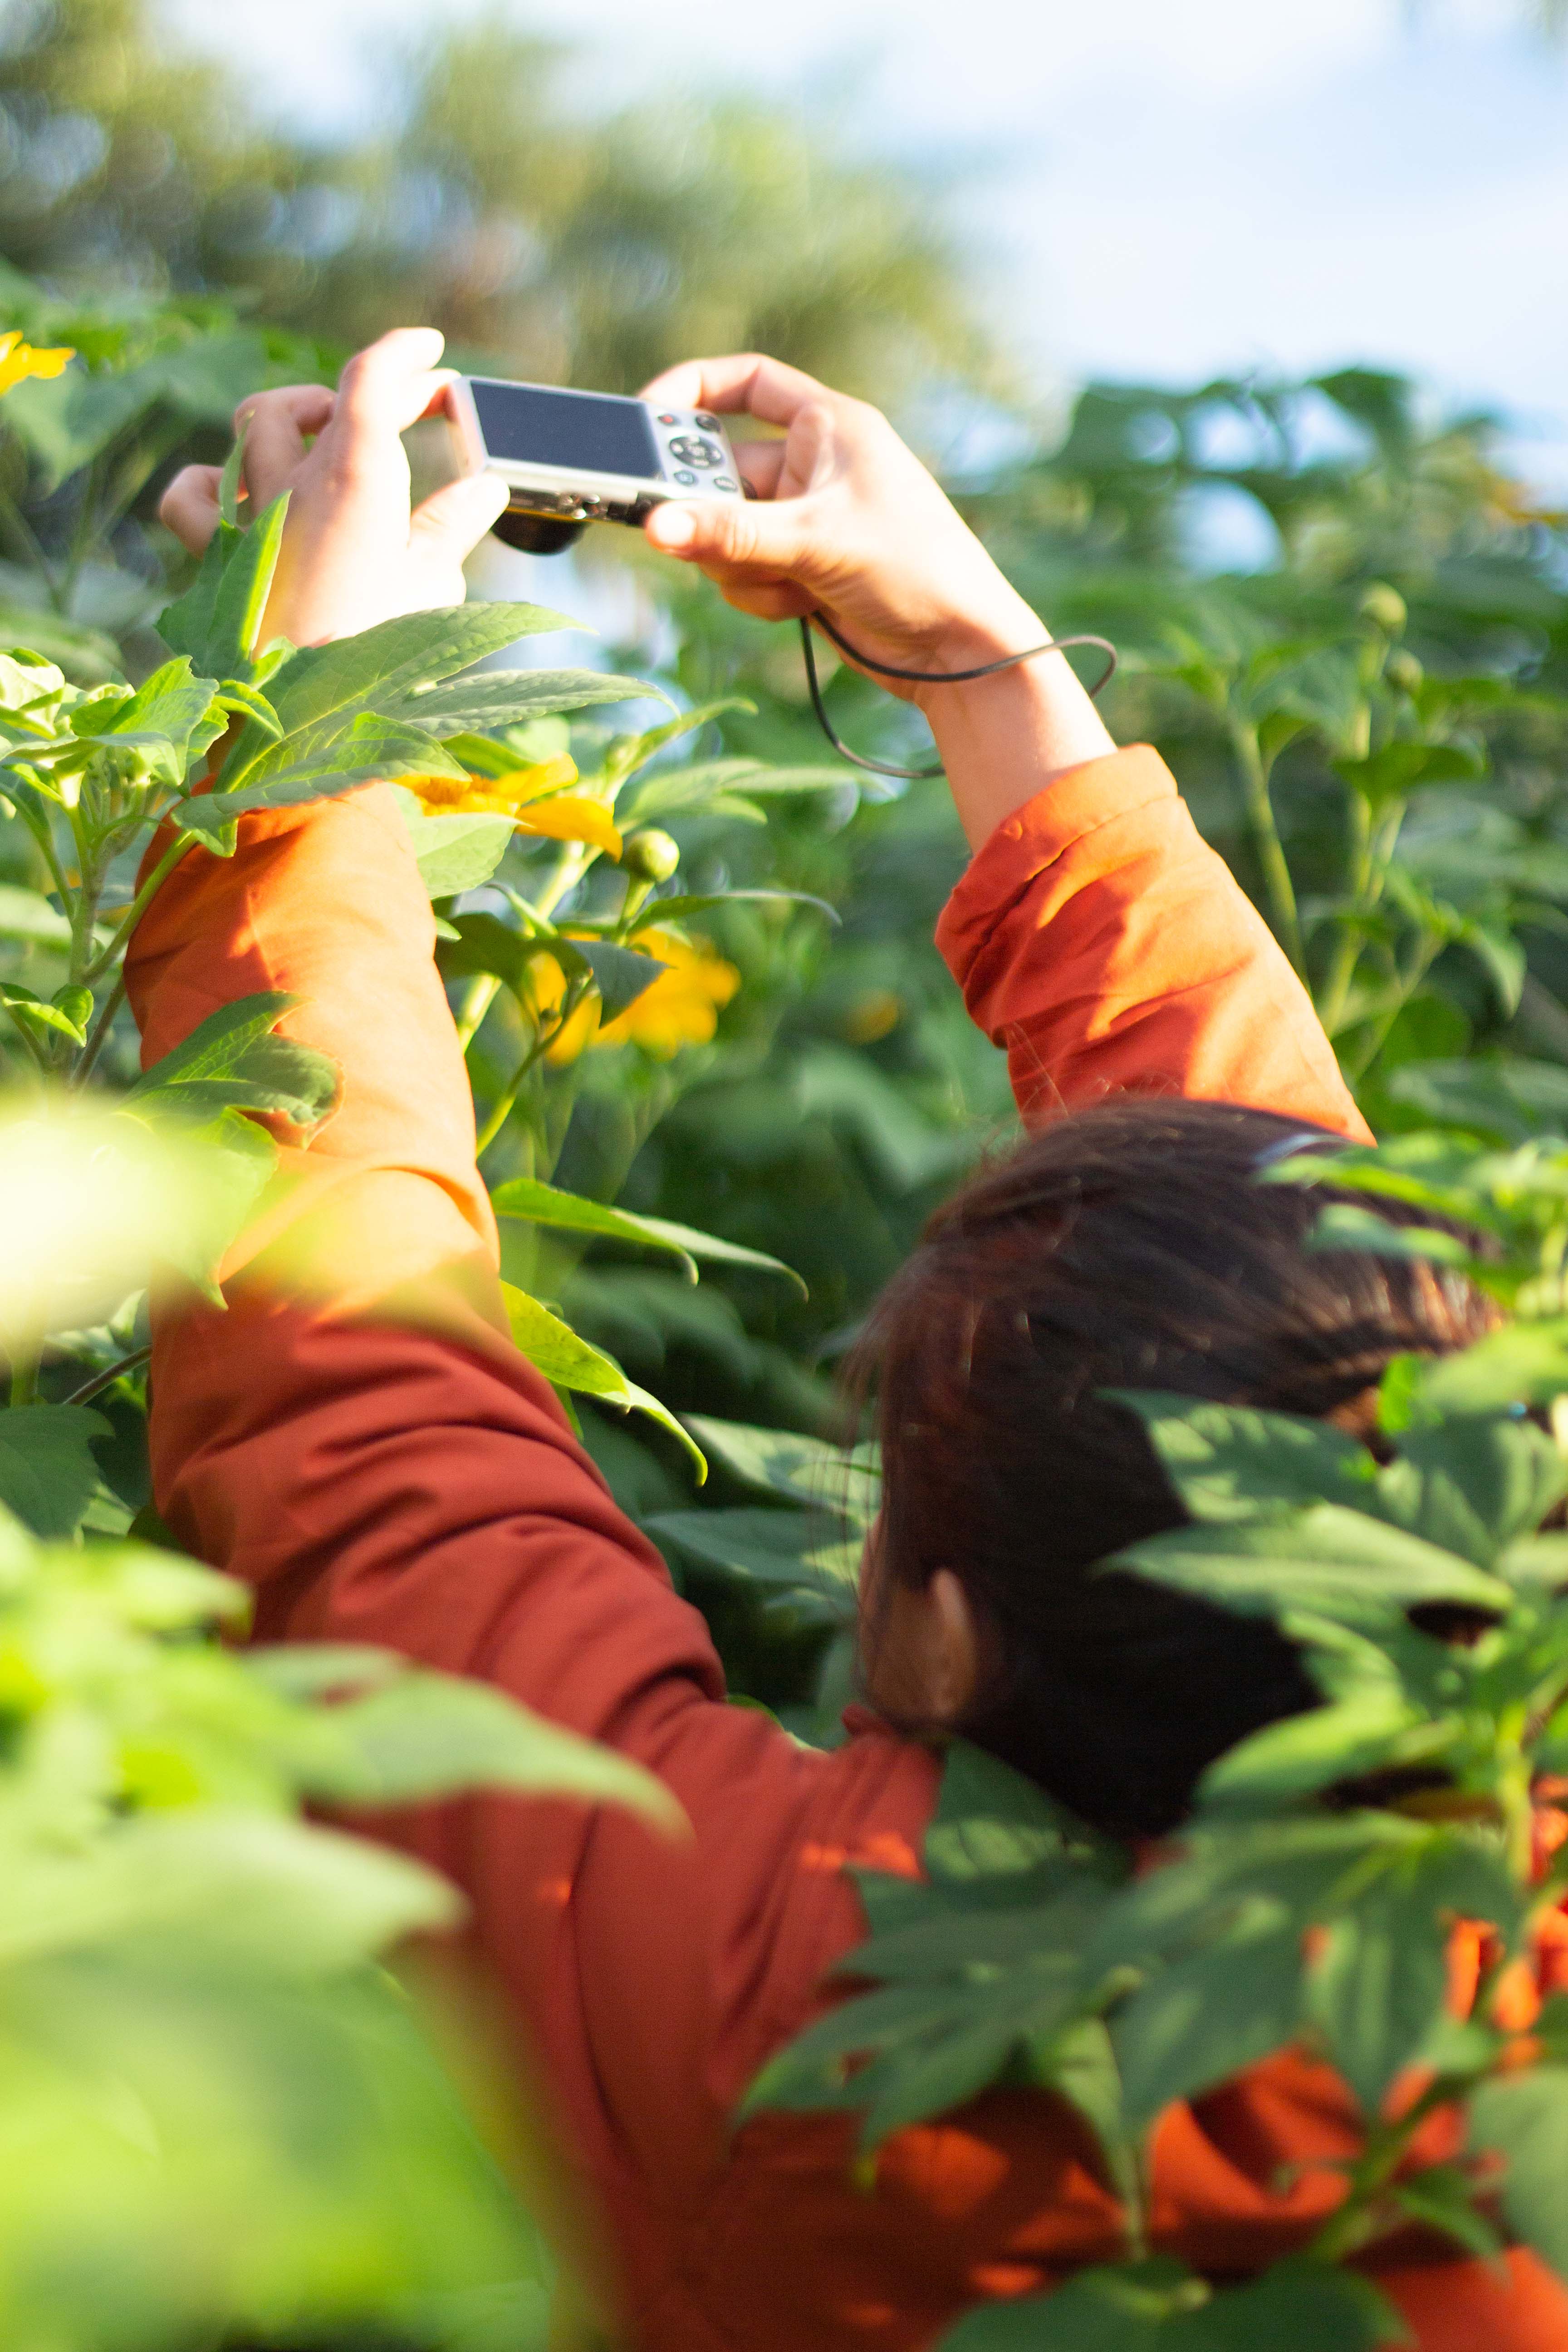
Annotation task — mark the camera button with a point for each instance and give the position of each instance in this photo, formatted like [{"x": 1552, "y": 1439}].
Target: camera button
[
  {"x": 669, "y": 420},
  {"x": 687, "y": 478},
  {"x": 722, "y": 482},
  {"x": 708, "y": 424},
  {"x": 689, "y": 451}
]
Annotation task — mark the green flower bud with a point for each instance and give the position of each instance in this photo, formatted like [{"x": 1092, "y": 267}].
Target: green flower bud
[
  {"x": 75, "y": 1002},
  {"x": 1403, "y": 670},
  {"x": 1384, "y": 607},
  {"x": 650, "y": 855}
]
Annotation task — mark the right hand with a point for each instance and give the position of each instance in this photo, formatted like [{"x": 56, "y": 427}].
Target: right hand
[{"x": 846, "y": 522}]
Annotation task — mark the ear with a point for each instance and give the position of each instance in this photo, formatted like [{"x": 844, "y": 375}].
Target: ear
[{"x": 952, "y": 1647}]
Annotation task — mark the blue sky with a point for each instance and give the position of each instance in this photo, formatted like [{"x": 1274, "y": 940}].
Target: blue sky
[{"x": 1154, "y": 188}]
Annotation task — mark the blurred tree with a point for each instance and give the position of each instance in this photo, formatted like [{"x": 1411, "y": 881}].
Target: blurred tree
[{"x": 549, "y": 243}]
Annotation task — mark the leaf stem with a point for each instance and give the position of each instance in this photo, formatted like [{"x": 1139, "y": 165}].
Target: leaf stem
[
  {"x": 483, "y": 989},
  {"x": 139, "y": 904},
  {"x": 99, "y": 1034},
  {"x": 23, "y": 1380},
  {"x": 106, "y": 1379},
  {"x": 1278, "y": 888}
]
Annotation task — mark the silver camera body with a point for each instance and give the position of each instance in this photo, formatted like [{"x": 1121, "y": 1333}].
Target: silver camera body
[{"x": 575, "y": 457}]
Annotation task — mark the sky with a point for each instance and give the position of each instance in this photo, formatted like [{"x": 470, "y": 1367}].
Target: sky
[{"x": 1156, "y": 189}]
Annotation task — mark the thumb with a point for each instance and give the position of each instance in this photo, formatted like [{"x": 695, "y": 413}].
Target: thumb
[
  {"x": 452, "y": 521},
  {"x": 766, "y": 540},
  {"x": 189, "y": 506}
]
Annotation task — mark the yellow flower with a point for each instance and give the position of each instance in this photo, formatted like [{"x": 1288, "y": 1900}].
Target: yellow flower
[
  {"x": 533, "y": 798},
  {"x": 681, "y": 1008},
  {"x": 19, "y": 359}
]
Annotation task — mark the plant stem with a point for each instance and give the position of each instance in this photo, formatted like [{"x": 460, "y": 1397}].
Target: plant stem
[
  {"x": 106, "y": 1379},
  {"x": 139, "y": 904},
  {"x": 24, "y": 1380},
  {"x": 542, "y": 1044},
  {"x": 1336, "y": 988},
  {"x": 1278, "y": 888},
  {"x": 99, "y": 1034}
]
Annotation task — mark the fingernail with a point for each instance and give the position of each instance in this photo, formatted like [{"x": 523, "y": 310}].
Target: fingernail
[{"x": 673, "y": 527}]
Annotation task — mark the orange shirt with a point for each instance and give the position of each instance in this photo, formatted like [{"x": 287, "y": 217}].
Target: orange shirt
[{"x": 358, "y": 1440}]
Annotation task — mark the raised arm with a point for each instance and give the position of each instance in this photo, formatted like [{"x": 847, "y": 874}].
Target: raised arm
[{"x": 1094, "y": 936}]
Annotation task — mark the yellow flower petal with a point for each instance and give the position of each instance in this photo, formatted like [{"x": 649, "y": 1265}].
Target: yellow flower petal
[
  {"x": 19, "y": 359},
  {"x": 682, "y": 1005},
  {"x": 570, "y": 817}
]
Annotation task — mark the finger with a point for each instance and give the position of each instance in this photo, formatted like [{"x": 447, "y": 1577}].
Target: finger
[
  {"x": 760, "y": 464},
  {"x": 189, "y": 506},
  {"x": 763, "y": 540},
  {"x": 777, "y": 603},
  {"x": 452, "y": 521},
  {"x": 746, "y": 383},
  {"x": 391, "y": 384},
  {"x": 275, "y": 425}
]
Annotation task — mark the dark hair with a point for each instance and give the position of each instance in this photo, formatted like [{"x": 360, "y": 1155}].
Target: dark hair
[{"x": 1125, "y": 1247}]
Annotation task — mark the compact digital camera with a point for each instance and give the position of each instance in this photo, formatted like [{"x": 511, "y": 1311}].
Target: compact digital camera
[{"x": 576, "y": 458}]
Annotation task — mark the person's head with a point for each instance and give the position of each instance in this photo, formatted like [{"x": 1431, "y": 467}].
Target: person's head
[{"x": 1126, "y": 1247}]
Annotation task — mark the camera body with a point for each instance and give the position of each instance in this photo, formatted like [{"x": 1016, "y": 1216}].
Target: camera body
[{"x": 575, "y": 457}]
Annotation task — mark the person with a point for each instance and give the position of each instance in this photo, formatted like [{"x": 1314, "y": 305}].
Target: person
[{"x": 357, "y": 1439}]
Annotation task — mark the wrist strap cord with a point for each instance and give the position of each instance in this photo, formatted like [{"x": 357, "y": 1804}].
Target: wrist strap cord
[{"x": 925, "y": 678}]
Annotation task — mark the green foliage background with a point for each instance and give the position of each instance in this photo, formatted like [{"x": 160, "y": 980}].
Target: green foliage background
[{"x": 1371, "y": 728}]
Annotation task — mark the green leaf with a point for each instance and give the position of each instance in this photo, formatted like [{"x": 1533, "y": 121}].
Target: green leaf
[
  {"x": 1508, "y": 1101},
  {"x": 321, "y": 693},
  {"x": 710, "y": 781},
  {"x": 369, "y": 751},
  {"x": 1287, "y": 1761},
  {"x": 233, "y": 1060},
  {"x": 994, "y": 1823},
  {"x": 1524, "y": 2118},
  {"x": 241, "y": 598},
  {"x": 677, "y": 910},
  {"x": 48, "y": 1473},
  {"x": 1400, "y": 767},
  {"x": 569, "y": 1362},
  {"x": 543, "y": 1204},
  {"x": 1297, "y": 2305},
  {"x": 171, "y": 719},
  {"x": 1341, "y": 1225},
  {"x": 1523, "y": 1363},
  {"x": 493, "y": 699},
  {"x": 231, "y": 478},
  {"x": 1440, "y": 2199},
  {"x": 804, "y": 1469},
  {"x": 1231, "y": 1462},
  {"x": 781, "y": 1547},
  {"x": 33, "y": 1011},
  {"x": 455, "y": 853},
  {"x": 620, "y": 975},
  {"x": 1473, "y": 1482},
  {"x": 1208, "y": 2016},
  {"x": 1336, "y": 1563},
  {"x": 421, "y": 1737},
  {"x": 1378, "y": 1988},
  {"x": 186, "y": 624},
  {"x": 485, "y": 944}
]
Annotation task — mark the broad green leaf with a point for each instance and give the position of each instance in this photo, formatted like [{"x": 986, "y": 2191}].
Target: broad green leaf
[
  {"x": 620, "y": 975},
  {"x": 1297, "y": 2305},
  {"x": 457, "y": 852},
  {"x": 369, "y": 751},
  {"x": 32, "y": 1010},
  {"x": 485, "y": 944},
  {"x": 231, "y": 479},
  {"x": 1523, "y": 1363},
  {"x": 320, "y": 694},
  {"x": 1400, "y": 767},
  {"x": 171, "y": 719},
  {"x": 543, "y": 1204},
  {"x": 1335, "y": 1562},
  {"x": 234, "y": 1060},
  {"x": 677, "y": 789},
  {"x": 784, "y": 1547},
  {"x": 493, "y": 699},
  {"x": 994, "y": 1823},
  {"x": 1508, "y": 1101},
  {"x": 242, "y": 593},
  {"x": 1441, "y": 2198},
  {"x": 186, "y": 624},
  {"x": 1232, "y": 1462},
  {"x": 1287, "y": 1761},
  {"x": 1378, "y": 1988},
  {"x": 27, "y": 915},
  {"x": 1210, "y": 2014},
  {"x": 48, "y": 1473},
  {"x": 422, "y": 1737},
  {"x": 1341, "y": 1225},
  {"x": 678, "y": 909},
  {"x": 805, "y": 1469},
  {"x": 1472, "y": 1484},
  {"x": 1524, "y": 2118},
  {"x": 569, "y": 1362}
]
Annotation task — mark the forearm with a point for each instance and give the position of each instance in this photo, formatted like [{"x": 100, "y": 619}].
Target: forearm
[{"x": 1004, "y": 738}]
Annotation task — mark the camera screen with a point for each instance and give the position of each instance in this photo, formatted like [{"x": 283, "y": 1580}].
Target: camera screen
[{"x": 524, "y": 423}]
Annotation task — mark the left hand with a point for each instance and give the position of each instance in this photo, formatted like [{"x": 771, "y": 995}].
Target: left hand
[{"x": 355, "y": 552}]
